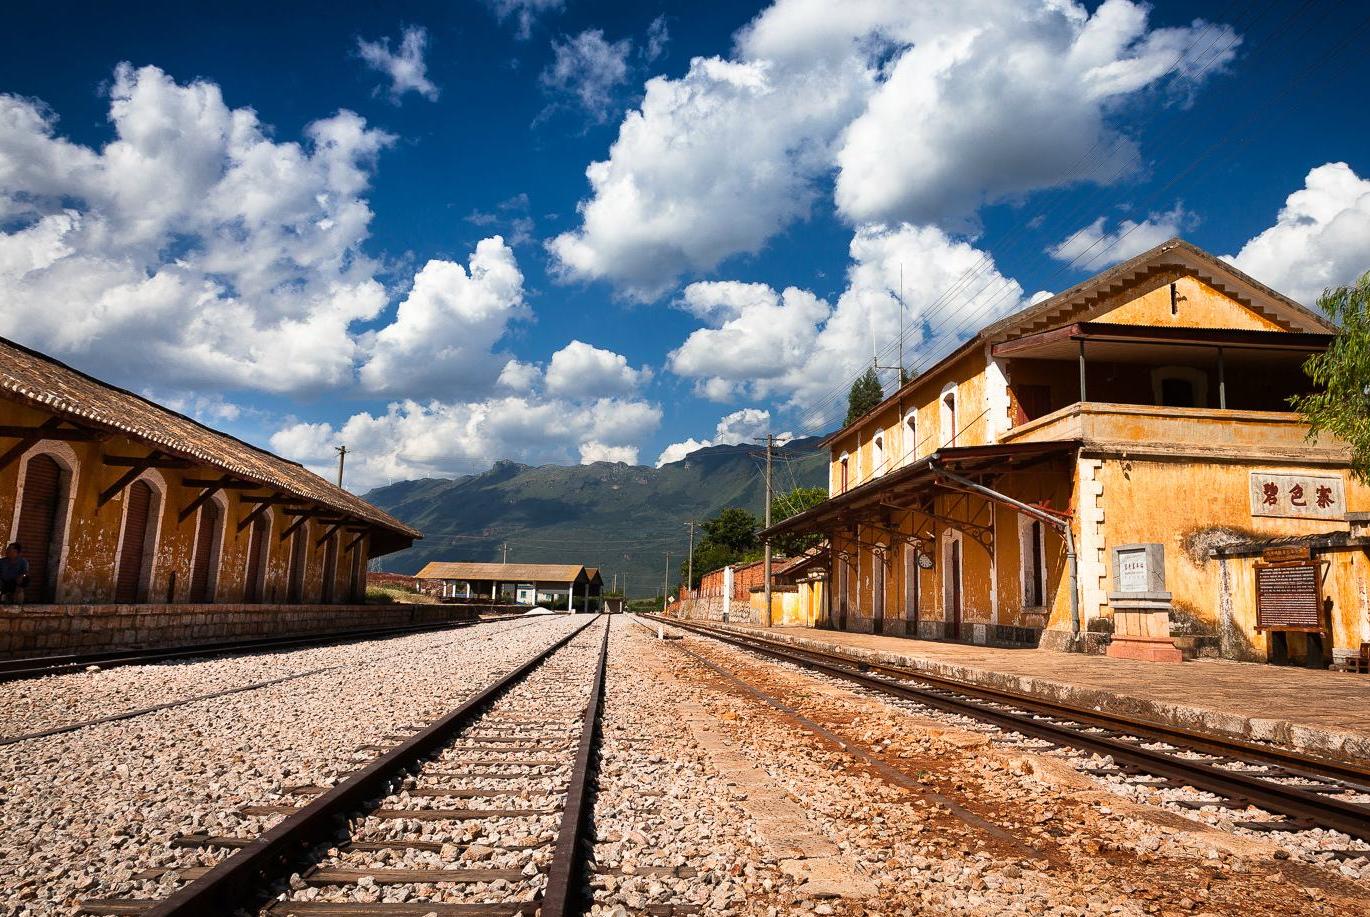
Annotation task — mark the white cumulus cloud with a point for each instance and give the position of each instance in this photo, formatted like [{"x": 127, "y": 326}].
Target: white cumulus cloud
[
  {"x": 1094, "y": 247},
  {"x": 1320, "y": 239},
  {"x": 741, "y": 426},
  {"x": 792, "y": 346},
  {"x": 414, "y": 439},
  {"x": 581, "y": 370},
  {"x": 922, "y": 112},
  {"x": 405, "y": 66},
  {"x": 218, "y": 255},
  {"x": 441, "y": 339}
]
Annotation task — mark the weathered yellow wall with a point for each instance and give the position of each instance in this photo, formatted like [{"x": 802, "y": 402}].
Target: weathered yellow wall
[
  {"x": 93, "y": 532},
  {"x": 923, "y": 396},
  {"x": 1199, "y": 306},
  {"x": 1186, "y": 505}
]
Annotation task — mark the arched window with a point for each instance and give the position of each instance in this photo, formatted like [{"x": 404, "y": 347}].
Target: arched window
[
  {"x": 947, "y": 411},
  {"x": 210, "y": 526},
  {"x": 878, "y": 454},
  {"x": 136, "y": 559},
  {"x": 910, "y": 436},
  {"x": 844, "y": 473},
  {"x": 48, "y": 473}
]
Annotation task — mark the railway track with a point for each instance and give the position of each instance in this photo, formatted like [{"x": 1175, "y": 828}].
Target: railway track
[
  {"x": 481, "y": 813},
  {"x": 40, "y": 666},
  {"x": 1303, "y": 791}
]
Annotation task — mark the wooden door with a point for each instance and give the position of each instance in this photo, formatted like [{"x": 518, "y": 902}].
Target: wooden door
[
  {"x": 1033, "y": 401},
  {"x": 256, "y": 560},
  {"x": 954, "y": 571},
  {"x": 206, "y": 555},
  {"x": 138, "y": 503},
  {"x": 330, "y": 568},
  {"x": 38, "y": 526}
]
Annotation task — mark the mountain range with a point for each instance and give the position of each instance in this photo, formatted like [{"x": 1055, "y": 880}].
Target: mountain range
[{"x": 620, "y": 518}]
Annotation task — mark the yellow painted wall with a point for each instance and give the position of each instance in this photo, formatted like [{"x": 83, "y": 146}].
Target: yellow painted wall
[
  {"x": 1198, "y": 306},
  {"x": 1181, "y": 503},
  {"x": 93, "y": 531}
]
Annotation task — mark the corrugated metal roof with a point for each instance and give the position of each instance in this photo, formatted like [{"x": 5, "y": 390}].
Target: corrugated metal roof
[
  {"x": 542, "y": 573},
  {"x": 28, "y": 376}
]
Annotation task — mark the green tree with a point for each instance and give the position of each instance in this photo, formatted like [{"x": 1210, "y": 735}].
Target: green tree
[
  {"x": 783, "y": 506},
  {"x": 1340, "y": 403},
  {"x": 729, "y": 538},
  {"x": 866, "y": 393},
  {"x": 733, "y": 528}
]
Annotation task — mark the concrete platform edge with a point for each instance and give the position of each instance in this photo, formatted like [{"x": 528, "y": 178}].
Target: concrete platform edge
[{"x": 1318, "y": 740}]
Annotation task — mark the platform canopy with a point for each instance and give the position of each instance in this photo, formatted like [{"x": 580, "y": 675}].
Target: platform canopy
[{"x": 920, "y": 478}]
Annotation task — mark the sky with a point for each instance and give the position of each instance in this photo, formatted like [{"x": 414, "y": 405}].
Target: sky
[{"x": 448, "y": 234}]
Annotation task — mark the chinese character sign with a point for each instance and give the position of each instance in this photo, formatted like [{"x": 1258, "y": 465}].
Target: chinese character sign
[{"x": 1298, "y": 495}]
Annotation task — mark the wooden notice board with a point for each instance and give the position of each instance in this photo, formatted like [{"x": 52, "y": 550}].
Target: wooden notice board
[{"x": 1289, "y": 596}]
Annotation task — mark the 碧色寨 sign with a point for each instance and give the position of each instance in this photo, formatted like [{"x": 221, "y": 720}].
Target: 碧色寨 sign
[{"x": 1303, "y": 496}]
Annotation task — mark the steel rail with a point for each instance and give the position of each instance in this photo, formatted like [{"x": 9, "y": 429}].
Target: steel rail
[
  {"x": 566, "y": 873},
  {"x": 38, "y": 666},
  {"x": 1294, "y": 803},
  {"x": 1349, "y": 772},
  {"x": 243, "y": 880}
]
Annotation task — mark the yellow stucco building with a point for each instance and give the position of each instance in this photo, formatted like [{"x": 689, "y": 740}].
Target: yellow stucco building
[{"x": 1100, "y": 464}]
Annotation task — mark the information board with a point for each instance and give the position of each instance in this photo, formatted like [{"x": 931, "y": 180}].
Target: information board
[{"x": 1289, "y": 596}]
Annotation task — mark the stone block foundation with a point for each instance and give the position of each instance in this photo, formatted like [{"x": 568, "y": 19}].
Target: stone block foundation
[{"x": 50, "y": 630}]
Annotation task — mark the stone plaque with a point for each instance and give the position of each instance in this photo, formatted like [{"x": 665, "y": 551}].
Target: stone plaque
[
  {"x": 1132, "y": 571},
  {"x": 1139, "y": 569},
  {"x": 1298, "y": 496}
]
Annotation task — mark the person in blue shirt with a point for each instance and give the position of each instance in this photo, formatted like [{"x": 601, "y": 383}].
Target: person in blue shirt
[{"x": 14, "y": 575}]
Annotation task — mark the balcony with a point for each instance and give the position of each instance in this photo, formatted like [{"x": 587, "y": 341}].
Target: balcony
[{"x": 1150, "y": 429}]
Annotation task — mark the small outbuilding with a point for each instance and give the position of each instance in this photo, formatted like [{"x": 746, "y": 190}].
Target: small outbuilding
[{"x": 565, "y": 586}]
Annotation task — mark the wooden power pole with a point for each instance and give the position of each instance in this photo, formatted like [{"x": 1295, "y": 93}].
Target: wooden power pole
[
  {"x": 666, "y": 582},
  {"x": 342, "y": 457},
  {"x": 766, "y": 563},
  {"x": 690, "y": 561}
]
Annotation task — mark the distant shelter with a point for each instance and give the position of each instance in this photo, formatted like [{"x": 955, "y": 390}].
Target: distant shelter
[{"x": 548, "y": 585}]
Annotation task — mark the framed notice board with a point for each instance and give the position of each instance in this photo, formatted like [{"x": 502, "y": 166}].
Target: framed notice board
[{"x": 1289, "y": 596}]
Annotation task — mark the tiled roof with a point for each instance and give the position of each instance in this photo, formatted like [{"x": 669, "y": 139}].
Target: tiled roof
[
  {"x": 36, "y": 379},
  {"x": 542, "y": 573}
]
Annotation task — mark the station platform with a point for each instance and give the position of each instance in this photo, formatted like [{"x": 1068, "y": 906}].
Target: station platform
[{"x": 1318, "y": 712}]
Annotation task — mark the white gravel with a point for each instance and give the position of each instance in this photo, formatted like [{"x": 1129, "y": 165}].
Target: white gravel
[{"x": 83, "y": 812}]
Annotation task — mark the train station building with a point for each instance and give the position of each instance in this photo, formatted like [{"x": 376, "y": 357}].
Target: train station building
[
  {"x": 1116, "y": 469},
  {"x": 121, "y": 504}
]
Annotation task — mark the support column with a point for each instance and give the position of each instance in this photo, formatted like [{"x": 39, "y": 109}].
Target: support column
[{"x": 1082, "y": 372}]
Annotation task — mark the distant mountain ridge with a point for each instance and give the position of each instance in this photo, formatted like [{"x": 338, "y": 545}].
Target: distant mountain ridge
[{"x": 620, "y": 518}]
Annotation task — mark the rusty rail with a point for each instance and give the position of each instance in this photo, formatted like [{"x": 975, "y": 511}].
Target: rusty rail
[{"x": 1038, "y": 719}]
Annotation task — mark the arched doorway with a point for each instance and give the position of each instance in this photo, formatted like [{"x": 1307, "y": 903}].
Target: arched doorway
[
  {"x": 204, "y": 571},
  {"x": 138, "y": 543},
  {"x": 38, "y": 526},
  {"x": 254, "y": 586}
]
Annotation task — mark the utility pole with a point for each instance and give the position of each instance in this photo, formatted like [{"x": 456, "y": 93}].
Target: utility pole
[
  {"x": 342, "y": 457},
  {"x": 504, "y": 547},
  {"x": 665, "y": 582},
  {"x": 766, "y": 565},
  {"x": 690, "y": 561}
]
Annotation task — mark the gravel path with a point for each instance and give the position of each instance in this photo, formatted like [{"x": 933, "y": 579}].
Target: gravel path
[
  {"x": 1097, "y": 852},
  {"x": 84, "y": 812}
]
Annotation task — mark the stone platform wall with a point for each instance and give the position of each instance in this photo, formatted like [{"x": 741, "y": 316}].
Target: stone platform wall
[{"x": 47, "y": 630}]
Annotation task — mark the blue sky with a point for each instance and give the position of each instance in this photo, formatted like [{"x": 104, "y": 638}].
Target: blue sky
[{"x": 318, "y": 225}]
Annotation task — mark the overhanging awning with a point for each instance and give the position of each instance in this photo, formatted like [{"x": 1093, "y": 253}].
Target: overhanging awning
[
  {"x": 1064, "y": 343},
  {"x": 921, "y": 475}
]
